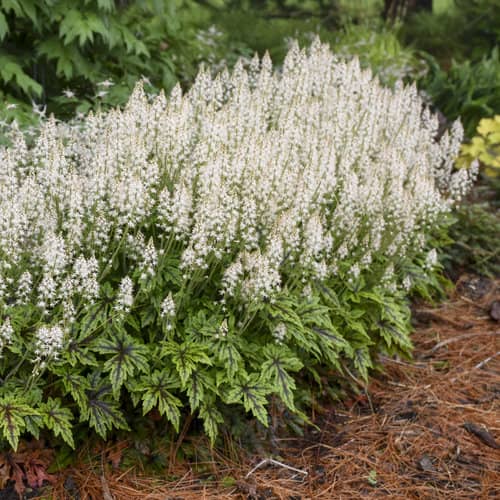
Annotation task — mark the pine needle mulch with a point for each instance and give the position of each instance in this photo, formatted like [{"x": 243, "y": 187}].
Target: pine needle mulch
[{"x": 429, "y": 429}]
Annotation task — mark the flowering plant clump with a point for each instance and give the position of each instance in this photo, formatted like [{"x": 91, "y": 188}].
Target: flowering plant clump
[{"x": 198, "y": 251}]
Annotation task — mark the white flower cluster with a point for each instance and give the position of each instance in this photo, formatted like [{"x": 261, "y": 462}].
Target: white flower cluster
[
  {"x": 49, "y": 342},
  {"x": 168, "y": 307},
  {"x": 279, "y": 333},
  {"x": 125, "y": 298},
  {"x": 6, "y": 333},
  {"x": 311, "y": 166}
]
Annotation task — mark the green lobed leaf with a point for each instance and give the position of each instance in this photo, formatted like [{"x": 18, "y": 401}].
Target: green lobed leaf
[
  {"x": 58, "y": 419},
  {"x": 362, "y": 362},
  {"x": 13, "y": 411},
  {"x": 186, "y": 357},
  {"x": 77, "y": 386},
  {"x": 156, "y": 393},
  {"x": 279, "y": 359},
  {"x": 128, "y": 355},
  {"x": 252, "y": 392},
  {"x": 212, "y": 418},
  {"x": 101, "y": 411}
]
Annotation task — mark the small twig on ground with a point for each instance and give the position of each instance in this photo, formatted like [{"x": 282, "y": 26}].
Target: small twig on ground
[
  {"x": 486, "y": 361},
  {"x": 460, "y": 337},
  {"x": 275, "y": 462},
  {"x": 106, "y": 492}
]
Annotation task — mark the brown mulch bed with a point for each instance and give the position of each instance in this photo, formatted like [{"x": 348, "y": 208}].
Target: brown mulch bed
[{"x": 429, "y": 429}]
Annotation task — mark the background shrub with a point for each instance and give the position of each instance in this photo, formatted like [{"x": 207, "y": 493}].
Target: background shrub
[
  {"x": 68, "y": 56},
  {"x": 469, "y": 90}
]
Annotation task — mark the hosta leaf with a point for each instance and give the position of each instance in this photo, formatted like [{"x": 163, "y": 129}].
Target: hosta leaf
[
  {"x": 186, "y": 357},
  {"x": 12, "y": 418},
  {"x": 127, "y": 357},
  {"x": 252, "y": 392},
  {"x": 58, "y": 419},
  {"x": 278, "y": 360},
  {"x": 156, "y": 393}
]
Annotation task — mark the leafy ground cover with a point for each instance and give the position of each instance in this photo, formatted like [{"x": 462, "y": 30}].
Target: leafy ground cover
[{"x": 425, "y": 429}]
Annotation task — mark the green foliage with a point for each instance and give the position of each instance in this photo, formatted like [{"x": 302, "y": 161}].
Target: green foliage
[
  {"x": 484, "y": 147},
  {"x": 58, "y": 419},
  {"x": 155, "y": 389},
  {"x": 62, "y": 55},
  {"x": 13, "y": 414},
  {"x": 469, "y": 90},
  {"x": 475, "y": 235},
  {"x": 376, "y": 45},
  {"x": 467, "y": 30},
  {"x": 210, "y": 362},
  {"x": 379, "y": 48}
]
